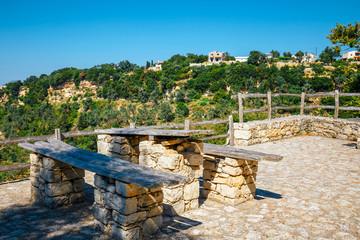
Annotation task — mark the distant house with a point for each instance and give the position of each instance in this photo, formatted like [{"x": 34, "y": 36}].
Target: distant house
[
  {"x": 216, "y": 57},
  {"x": 351, "y": 55},
  {"x": 241, "y": 59},
  {"x": 268, "y": 55},
  {"x": 157, "y": 67},
  {"x": 309, "y": 58}
]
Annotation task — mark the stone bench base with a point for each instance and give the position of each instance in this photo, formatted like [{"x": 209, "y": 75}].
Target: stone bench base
[
  {"x": 55, "y": 183},
  {"x": 126, "y": 211},
  {"x": 228, "y": 180}
]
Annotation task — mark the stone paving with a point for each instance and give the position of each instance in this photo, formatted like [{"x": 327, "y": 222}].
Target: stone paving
[{"x": 313, "y": 193}]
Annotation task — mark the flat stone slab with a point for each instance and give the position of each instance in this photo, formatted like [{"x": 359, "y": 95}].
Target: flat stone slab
[{"x": 313, "y": 193}]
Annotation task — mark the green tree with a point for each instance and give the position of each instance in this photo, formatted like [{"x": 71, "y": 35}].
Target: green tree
[
  {"x": 256, "y": 58},
  {"x": 166, "y": 112},
  {"x": 287, "y": 54},
  {"x": 344, "y": 35},
  {"x": 275, "y": 53},
  {"x": 329, "y": 55},
  {"x": 181, "y": 110},
  {"x": 299, "y": 55}
]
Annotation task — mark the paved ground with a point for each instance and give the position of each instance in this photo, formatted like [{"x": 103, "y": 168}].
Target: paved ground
[{"x": 314, "y": 193}]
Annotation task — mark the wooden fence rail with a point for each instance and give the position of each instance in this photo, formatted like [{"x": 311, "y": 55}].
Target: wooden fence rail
[{"x": 269, "y": 108}]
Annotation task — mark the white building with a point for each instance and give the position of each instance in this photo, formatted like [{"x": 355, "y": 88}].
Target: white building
[
  {"x": 216, "y": 57},
  {"x": 241, "y": 59},
  {"x": 309, "y": 58},
  {"x": 351, "y": 55},
  {"x": 157, "y": 67}
]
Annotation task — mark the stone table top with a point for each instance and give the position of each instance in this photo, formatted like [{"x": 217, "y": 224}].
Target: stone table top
[{"x": 155, "y": 132}]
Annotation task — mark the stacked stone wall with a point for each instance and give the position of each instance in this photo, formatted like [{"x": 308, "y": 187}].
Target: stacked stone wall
[
  {"x": 181, "y": 157},
  {"x": 255, "y": 132},
  {"x": 126, "y": 148},
  {"x": 126, "y": 211},
  {"x": 55, "y": 183},
  {"x": 229, "y": 180}
]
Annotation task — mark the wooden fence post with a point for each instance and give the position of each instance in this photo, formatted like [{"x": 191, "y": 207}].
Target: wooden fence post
[
  {"x": 241, "y": 108},
  {"x": 231, "y": 130},
  {"x": 337, "y": 95},
  {"x": 58, "y": 134},
  {"x": 132, "y": 125},
  {"x": 269, "y": 105},
  {"x": 302, "y": 106},
  {"x": 187, "y": 124}
]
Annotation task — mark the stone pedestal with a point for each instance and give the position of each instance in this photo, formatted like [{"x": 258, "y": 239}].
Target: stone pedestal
[
  {"x": 126, "y": 211},
  {"x": 180, "y": 157},
  {"x": 55, "y": 183},
  {"x": 228, "y": 180},
  {"x": 126, "y": 148}
]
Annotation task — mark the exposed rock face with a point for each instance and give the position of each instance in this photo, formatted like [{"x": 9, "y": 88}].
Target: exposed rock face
[
  {"x": 69, "y": 90},
  {"x": 285, "y": 127}
]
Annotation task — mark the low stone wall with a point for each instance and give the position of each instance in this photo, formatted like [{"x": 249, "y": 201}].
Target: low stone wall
[
  {"x": 180, "y": 157},
  {"x": 228, "y": 180},
  {"x": 285, "y": 127},
  {"x": 126, "y": 211},
  {"x": 55, "y": 183}
]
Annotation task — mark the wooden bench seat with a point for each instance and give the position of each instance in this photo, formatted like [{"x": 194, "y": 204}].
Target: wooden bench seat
[
  {"x": 114, "y": 168},
  {"x": 238, "y": 153}
]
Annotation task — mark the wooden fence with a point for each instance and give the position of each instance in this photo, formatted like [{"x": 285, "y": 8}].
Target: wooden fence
[
  {"x": 302, "y": 106},
  {"x": 58, "y": 135}
]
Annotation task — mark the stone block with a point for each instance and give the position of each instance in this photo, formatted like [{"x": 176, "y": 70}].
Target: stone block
[
  {"x": 129, "y": 190},
  {"x": 78, "y": 185},
  {"x": 193, "y": 159},
  {"x": 76, "y": 197},
  {"x": 127, "y": 220},
  {"x": 242, "y": 134},
  {"x": 52, "y": 164},
  {"x": 125, "y": 149},
  {"x": 236, "y": 181},
  {"x": 72, "y": 173},
  {"x": 230, "y": 192},
  {"x": 170, "y": 162},
  {"x": 234, "y": 162},
  {"x": 114, "y": 147},
  {"x": 211, "y": 165},
  {"x": 34, "y": 170},
  {"x": 103, "y": 147},
  {"x": 173, "y": 194},
  {"x": 130, "y": 234},
  {"x": 233, "y": 171},
  {"x": 57, "y": 201},
  {"x": 192, "y": 204},
  {"x": 248, "y": 189},
  {"x": 150, "y": 199},
  {"x": 101, "y": 214},
  {"x": 57, "y": 189},
  {"x": 123, "y": 205},
  {"x": 34, "y": 181},
  {"x": 209, "y": 185},
  {"x": 151, "y": 225},
  {"x": 100, "y": 182},
  {"x": 174, "y": 209},
  {"x": 35, "y": 159},
  {"x": 121, "y": 140},
  {"x": 98, "y": 196},
  {"x": 192, "y": 191},
  {"x": 145, "y": 160},
  {"x": 156, "y": 210},
  {"x": 234, "y": 202}
]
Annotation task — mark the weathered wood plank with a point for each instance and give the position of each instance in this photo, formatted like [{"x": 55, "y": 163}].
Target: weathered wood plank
[
  {"x": 250, "y": 95},
  {"x": 320, "y": 106},
  {"x": 302, "y": 106},
  {"x": 336, "y": 113},
  {"x": 320, "y": 95},
  {"x": 285, "y": 107},
  {"x": 231, "y": 131},
  {"x": 25, "y": 139},
  {"x": 19, "y": 166},
  {"x": 119, "y": 169},
  {"x": 350, "y": 108},
  {"x": 241, "y": 108},
  {"x": 256, "y": 110},
  {"x": 155, "y": 132},
  {"x": 214, "y": 137},
  {"x": 286, "y": 94},
  {"x": 209, "y": 122},
  {"x": 233, "y": 152},
  {"x": 269, "y": 105},
  {"x": 349, "y": 94}
]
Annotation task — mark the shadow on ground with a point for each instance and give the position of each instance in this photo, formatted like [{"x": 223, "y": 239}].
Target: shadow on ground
[
  {"x": 37, "y": 222},
  {"x": 261, "y": 194}
]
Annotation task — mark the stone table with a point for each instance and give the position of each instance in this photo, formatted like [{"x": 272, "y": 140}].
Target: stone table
[{"x": 167, "y": 150}]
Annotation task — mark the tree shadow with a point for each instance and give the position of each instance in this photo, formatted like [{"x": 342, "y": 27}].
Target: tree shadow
[
  {"x": 352, "y": 145},
  {"x": 177, "y": 224},
  {"x": 261, "y": 194},
  {"x": 30, "y": 221}
]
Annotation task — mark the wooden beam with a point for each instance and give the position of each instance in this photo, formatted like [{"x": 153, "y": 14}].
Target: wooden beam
[
  {"x": 241, "y": 108},
  {"x": 231, "y": 131},
  {"x": 214, "y": 137},
  {"x": 155, "y": 132},
  {"x": 320, "y": 95},
  {"x": 12, "y": 167},
  {"x": 187, "y": 124},
  {"x": 336, "y": 114},
  {"x": 269, "y": 105},
  {"x": 303, "y": 96}
]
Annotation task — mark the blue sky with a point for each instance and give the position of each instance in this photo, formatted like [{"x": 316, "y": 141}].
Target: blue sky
[{"x": 41, "y": 36}]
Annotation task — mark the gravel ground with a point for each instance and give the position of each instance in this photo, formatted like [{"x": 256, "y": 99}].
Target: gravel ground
[{"x": 313, "y": 193}]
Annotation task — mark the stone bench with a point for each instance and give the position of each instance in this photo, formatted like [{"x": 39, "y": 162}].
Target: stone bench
[
  {"x": 230, "y": 173},
  {"x": 128, "y": 197}
]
